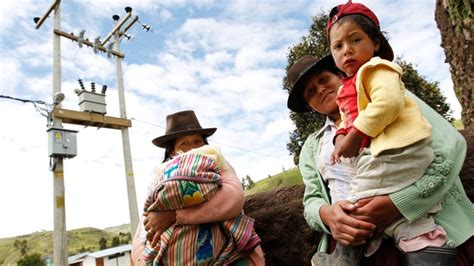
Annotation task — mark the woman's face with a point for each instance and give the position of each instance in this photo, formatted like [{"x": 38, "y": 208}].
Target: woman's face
[
  {"x": 187, "y": 143},
  {"x": 320, "y": 92}
]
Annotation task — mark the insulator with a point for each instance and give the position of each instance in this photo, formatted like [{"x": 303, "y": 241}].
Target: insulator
[{"x": 81, "y": 84}]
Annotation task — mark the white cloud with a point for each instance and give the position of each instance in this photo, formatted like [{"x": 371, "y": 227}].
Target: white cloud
[
  {"x": 13, "y": 12},
  {"x": 10, "y": 75},
  {"x": 165, "y": 15}
]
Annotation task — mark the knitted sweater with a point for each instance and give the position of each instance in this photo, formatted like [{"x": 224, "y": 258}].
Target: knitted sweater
[
  {"x": 440, "y": 183},
  {"x": 391, "y": 119}
]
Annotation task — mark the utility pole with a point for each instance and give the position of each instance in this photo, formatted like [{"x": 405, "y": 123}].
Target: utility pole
[
  {"x": 132, "y": 195},
  {"x": 60, "y": 233},
  {"x": 60, "y": 256}
]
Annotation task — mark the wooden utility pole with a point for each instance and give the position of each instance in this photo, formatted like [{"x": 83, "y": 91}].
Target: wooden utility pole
[
  {"x": 132, "y": 195},
  {"x": 59, "y": 233}
]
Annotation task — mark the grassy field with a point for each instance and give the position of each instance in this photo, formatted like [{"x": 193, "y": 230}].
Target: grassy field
[{"x": 284, "y": 179}]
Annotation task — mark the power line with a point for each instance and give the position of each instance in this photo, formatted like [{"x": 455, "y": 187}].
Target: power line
[
  {"x": 23, "y": 100},
  {"x": 221, "y": 143},
  {"x": 44, "y": 111}
]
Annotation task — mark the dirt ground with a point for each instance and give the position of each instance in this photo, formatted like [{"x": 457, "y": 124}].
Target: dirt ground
[{"x": 287, "y": 239}]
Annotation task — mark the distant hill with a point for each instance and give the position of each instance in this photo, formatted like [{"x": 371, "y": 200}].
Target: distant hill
[
  {"x": 42, "y": 242},
  {"x": 284, "y": 179}
]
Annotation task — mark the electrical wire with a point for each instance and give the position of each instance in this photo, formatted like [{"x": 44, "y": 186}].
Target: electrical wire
[
  {"x": 220, "y": 143},
  {"x": 44, "y": 111}
]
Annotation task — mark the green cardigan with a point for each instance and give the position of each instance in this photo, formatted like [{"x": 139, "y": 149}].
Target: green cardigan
[{"x": 441, "y": 183}]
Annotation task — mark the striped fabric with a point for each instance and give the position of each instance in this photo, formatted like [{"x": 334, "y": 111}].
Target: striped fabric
[{"x": 187, "y": 180}]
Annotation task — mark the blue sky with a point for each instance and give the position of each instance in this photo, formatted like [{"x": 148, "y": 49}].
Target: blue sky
[{"x": 223, "y": 59}]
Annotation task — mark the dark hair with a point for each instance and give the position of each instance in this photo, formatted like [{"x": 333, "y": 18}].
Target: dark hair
[
  {"x": 367, "y": 25},
  {"x": 169, "y": 146}
]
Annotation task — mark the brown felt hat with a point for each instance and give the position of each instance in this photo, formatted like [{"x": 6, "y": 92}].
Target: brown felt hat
[
  {"x": 181, "y": 124},
  {"x": 299, "y": 73}
]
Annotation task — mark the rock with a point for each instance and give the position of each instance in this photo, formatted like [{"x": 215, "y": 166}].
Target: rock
[{"x": 279, "y": 221}]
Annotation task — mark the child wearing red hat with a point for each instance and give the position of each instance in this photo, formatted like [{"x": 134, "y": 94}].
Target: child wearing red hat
[{"x": 382, "y": 131}]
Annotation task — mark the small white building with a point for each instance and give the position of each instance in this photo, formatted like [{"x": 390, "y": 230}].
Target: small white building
[{"x": 117, "y": 256}]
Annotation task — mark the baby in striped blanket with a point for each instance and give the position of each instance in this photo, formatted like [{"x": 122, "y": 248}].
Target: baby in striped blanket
[{"x": 189, "y": 179}]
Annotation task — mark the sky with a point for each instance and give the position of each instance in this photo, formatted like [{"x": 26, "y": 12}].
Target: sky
[{"x": 223, "y": 59}]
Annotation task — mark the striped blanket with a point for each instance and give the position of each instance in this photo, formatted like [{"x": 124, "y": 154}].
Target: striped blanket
[{"x": 190, "y": 179}]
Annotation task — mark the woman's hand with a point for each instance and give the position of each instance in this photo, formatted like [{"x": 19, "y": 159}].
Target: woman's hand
[
  {"x": 345, "y": 229},
  {"x": 156, "y": 223},
  {"x": 378, "y": 210}
]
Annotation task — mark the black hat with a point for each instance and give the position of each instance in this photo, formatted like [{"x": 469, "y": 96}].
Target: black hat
[
  {"x": 299, "y": 73},
  {"x": 181, "y": 124}
]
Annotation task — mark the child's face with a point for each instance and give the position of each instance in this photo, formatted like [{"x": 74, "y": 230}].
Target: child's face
[
  {"x": 320, "y": 92},
  {"x": 350, "y": 46},
  {"x": 187, "y": 143}
]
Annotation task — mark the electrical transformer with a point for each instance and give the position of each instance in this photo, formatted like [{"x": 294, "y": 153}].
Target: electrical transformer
[{"x": 92, "y": 102}]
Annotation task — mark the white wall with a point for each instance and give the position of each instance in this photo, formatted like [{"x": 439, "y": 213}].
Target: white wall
[{"x": 120, "y": 261}]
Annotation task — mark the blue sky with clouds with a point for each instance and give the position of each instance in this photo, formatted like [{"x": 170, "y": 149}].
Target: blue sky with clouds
[{"x": 223, "y": 59}]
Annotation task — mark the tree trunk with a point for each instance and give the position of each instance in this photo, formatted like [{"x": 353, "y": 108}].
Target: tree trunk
[{"x": 455, "y": 19}]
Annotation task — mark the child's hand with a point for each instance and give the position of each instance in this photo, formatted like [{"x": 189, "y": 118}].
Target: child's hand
[
  {"x": 156, "y": 222},
  {"x": 336, "y": 155},
  {"x": 346, "y": 146}
]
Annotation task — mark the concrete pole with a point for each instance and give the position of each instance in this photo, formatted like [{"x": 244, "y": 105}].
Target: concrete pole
[
  {"x": 59, "y": 233},
  {"x": 132, "y": 195}
]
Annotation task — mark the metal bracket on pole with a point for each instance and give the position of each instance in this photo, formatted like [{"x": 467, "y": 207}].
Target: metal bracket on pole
[
  {"x": 40, "y": 21},
  {"x": 87, "y": 42},
  {"x": 116, "y": 28},
  {"x": 135, "y": 18}
]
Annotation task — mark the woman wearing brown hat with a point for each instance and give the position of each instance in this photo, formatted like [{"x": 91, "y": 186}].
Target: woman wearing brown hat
[
  {"x": 184, "y": 135},
  {"x": 314, "y": 84}
]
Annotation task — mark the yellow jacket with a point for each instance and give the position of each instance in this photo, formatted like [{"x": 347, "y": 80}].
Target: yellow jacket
[{"x": 390, "y": 118}]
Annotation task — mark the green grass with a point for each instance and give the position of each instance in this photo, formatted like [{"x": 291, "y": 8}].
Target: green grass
[
  {"x": 42, "y": 242},
  {"x": 458, "y": 124},
  {"x": 284, "y": 179}
]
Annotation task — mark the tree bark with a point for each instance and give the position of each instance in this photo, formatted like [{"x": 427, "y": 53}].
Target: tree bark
[{"x": 455, "y": 22}]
